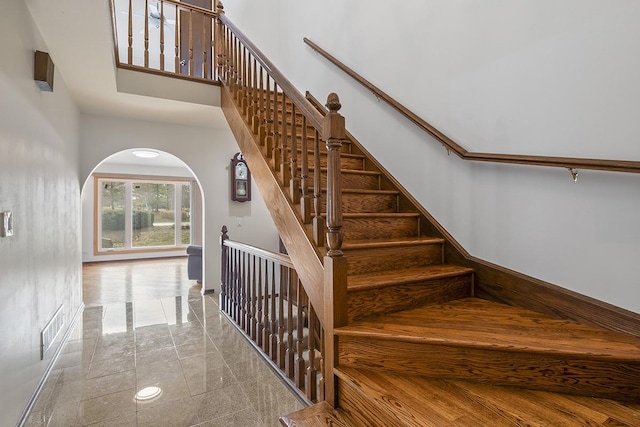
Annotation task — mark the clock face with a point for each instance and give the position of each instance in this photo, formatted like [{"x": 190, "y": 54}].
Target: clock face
[{"x": 241, "y": 171}]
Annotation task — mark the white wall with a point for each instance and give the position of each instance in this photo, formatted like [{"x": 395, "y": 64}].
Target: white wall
[
  {"x": 528, "y": 77},
  {"x": 40, "y": 266},
  {"x": 207, "y": 152}
]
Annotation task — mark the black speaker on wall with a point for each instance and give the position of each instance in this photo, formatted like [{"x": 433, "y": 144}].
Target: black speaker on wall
[{"x": 43, "y": 71}]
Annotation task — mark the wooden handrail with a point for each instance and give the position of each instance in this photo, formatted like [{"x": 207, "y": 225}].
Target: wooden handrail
[
  {"x": 282, "y": 259},
  {"x": 313, "y": 116},
  {"x": 552, "y": 161}
]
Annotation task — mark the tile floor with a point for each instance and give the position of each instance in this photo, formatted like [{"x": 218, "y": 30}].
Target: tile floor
[{"x": 209, "y": 375}]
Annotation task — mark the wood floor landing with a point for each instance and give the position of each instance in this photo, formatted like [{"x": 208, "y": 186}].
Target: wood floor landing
[
  {"x": 474, "y": 322},
  {"x": 405, "y": 400}
]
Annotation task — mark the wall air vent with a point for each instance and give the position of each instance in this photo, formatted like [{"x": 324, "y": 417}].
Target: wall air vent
[{"x": 51, "y": 331}]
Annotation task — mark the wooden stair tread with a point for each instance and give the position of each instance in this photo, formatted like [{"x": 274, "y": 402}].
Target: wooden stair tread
[
  {"x": 373, "y": 243},
  {"x": 350, "y": 171},
  {"x": 403, "y": 276},
  {"x": 318, "y": 415},
  {"x": 476, "y": 323},
  {"x": 408, "y": 400}
]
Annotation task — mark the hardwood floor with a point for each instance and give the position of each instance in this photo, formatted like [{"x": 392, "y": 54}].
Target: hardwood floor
[{"x": 136, "y": 280}]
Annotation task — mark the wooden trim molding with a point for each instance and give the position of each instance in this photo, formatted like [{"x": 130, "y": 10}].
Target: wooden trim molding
[{"x": 552, "y": 161}]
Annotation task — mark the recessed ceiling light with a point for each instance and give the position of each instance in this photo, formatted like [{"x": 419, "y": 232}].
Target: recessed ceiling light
[{"x": 146, "y": 154}]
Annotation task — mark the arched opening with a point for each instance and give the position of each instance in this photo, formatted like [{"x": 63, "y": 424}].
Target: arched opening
[{"x": 140, "y": 205}]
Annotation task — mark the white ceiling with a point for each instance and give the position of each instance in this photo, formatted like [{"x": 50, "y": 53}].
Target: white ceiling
[{"x": 79, "y": 37}]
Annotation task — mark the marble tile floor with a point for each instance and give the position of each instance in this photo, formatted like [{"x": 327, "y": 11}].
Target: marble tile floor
[{"x": 208, "y": 374}]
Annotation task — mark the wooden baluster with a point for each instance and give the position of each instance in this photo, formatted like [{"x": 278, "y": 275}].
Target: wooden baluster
[
  {"x": 190, "y": 42},
  {"x": 233, "y": 285},
  {"x": 322, "y": 390},
  {"x": 275, "y": 157},
  {"x": 335, "y": 264},
  {"x": 311, "y": 383},
  {"x": 224, "y": 267},
  {"x": 205, "y": 65},
  {"x": 161, "y": 36},
  {"x": 254, "y": 301},
  {"x": 246, "y": 99},
  {"x": 300, "y": 368},
  {"x": 176, "y": 59},
  {"x": 318, "y": 224},
  {"x": 275, "y": 330},
  {"x": 146, "y": 33},
  {"x": 290, "y": 350},
  {"x": 281, "y": 344},
  {"x": 260, "y": 126},
  {"x": 219, "y": 43},
  {"x": 260, "y": 303},
  {"x": 246, "y": 298},
  {"x": 257, "y": 95},
  {"x": 268, "y": 141},
  {"x": 285, "y": 172},
  {"x": 295, "y": 180},
  {"x": 238, "y": 287},
  {"x": 266, "y": 315},
  {"x": 305, "y": 202},
  {"x": 130, "y": 38}
]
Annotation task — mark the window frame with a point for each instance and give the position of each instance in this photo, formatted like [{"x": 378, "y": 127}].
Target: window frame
[{"x": 129, "y": 180}]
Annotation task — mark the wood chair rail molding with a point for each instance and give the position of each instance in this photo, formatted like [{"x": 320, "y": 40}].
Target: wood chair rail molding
[{"x": 551, "y": 161}]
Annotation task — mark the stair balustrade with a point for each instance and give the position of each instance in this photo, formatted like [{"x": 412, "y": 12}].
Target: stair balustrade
[
  {"x": 262, "y": 294},
  {"x": 285, "y": 124}
]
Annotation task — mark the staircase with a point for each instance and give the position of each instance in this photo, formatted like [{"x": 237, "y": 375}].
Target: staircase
[{"x": 419, "y": 346}]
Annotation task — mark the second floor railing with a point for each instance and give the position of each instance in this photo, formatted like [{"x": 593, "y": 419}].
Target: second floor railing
[{"x": 166, "y": 37}]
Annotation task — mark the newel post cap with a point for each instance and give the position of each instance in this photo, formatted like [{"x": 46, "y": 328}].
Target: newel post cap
[{"x": 333, "y": 123}]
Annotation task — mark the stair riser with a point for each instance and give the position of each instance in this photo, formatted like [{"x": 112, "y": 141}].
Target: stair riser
[
  {"x": 380, "y": 228},
  {"x": 363, "y": 261},
  {"x": 596, "y": 377},
  {"x": 391, "y": 299},
  {"x": 351, "y": 401},
  {"x": 376, "y": 203},
  {"x": 354, "y": 181}
]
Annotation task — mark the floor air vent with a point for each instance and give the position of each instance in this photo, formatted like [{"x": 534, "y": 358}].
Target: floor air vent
[{"x": 51, "y": 331}]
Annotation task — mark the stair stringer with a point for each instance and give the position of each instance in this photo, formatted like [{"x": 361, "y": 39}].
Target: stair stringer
[{"x": 304, "y": 254}]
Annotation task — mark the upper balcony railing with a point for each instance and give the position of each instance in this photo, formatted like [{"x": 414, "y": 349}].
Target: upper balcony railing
[{"x": 166, "y": 37}]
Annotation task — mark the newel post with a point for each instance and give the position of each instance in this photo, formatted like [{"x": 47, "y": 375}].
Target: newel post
[
  {"x": 335, "y": 264},
  {"x": 224, "y": 269}
]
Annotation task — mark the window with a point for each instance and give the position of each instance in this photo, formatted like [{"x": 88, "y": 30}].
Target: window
[{"x": 142, "y": 214}]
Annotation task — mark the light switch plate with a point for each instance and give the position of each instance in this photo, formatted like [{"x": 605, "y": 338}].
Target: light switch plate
[{"x": 7, "y": 224}]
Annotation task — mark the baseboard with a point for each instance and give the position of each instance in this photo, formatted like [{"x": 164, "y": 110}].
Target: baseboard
[
  {"x": 47, "y": 372},
  {"x": 500, "y": 284}
]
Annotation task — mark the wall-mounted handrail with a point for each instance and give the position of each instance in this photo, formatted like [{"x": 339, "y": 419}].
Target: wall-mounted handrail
[{"x": 564, "y": 162}]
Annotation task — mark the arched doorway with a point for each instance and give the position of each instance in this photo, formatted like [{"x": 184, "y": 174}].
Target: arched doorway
[{"x": 141, "y": 204}]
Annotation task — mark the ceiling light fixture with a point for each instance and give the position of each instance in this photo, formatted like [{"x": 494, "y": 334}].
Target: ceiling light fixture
[{"x": 146, "y": 154}]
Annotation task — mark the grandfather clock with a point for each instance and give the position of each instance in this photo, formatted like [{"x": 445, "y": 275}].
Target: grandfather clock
[{"x": 240, "y": 179}]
